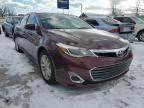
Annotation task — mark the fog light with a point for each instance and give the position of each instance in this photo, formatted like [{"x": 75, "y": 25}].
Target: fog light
[{"x": 75, "y": 78}]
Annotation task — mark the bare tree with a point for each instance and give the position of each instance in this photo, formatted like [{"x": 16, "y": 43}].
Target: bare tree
[
  {"x": 114, "y": 7},
  {"x": 4, "y": 11},
  {"x": 137, "y": 9},
  {"x": 10, "y": 12}
]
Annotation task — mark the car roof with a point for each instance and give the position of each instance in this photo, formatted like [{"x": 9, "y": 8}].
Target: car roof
[
  {"x": 40, "y": 13},
  {"x": 124, "y": 16}
]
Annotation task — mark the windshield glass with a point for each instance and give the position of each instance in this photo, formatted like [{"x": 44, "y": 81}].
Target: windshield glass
[
  {"x": 138, "y": 20},
  {"x": 16, "y": 20},
  {"x": 55, "y": 21},
  {"x": 111, "y": 21}
]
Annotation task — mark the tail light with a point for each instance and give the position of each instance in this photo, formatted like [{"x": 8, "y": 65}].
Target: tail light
[
  {"x": 133, "y": 28},
  {"x": 116, "y": 30}
]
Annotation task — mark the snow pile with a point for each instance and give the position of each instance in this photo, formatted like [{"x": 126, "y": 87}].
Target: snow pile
[{"x": 14, "y": 61}]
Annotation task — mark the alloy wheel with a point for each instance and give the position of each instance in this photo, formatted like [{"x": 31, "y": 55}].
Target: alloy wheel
[
  {"x": 46, "y": 67},
  {"x": 142, "y": 36}
]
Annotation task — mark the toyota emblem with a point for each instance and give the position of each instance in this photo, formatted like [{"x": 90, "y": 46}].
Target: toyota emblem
[{"x": 120, "y": 53}]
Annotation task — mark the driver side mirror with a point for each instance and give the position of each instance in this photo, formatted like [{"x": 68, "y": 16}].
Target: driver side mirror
[{"x": 30, "y": 26}]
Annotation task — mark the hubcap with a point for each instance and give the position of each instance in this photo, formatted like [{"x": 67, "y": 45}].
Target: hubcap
[
  {"x": 45, "y": 67},
  {"x": 142, "y": 36}
]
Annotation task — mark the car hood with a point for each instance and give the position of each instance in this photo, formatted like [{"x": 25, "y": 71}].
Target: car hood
[{"x": 88, "y": 38}]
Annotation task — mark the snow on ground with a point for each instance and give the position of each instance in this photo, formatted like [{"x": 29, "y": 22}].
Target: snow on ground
[{"x": 21, "y": 85}]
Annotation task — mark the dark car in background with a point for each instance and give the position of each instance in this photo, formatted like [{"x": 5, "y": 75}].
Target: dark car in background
[
  {"x": 9, "y": 25},
  {"x": 69, "y": 51}
]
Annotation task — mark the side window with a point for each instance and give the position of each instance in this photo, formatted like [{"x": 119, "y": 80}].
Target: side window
[
  {"x": 119, "y": 19},
  {"x": 92, "y": 22},
  {"x": 129, "y": 20},
  {"x": 32, "y": 20},
  {"x": 9, "y": 20},
  {"x": 24, "y": 20},
  {"x": 125, "y": 20}
]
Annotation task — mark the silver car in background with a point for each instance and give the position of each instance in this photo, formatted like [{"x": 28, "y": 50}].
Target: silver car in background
[
  {"x": 138, "y": 22},
  {"x": 111, "y": 25}
]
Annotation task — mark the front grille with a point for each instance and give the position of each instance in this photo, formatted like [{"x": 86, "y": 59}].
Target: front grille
[
  {"x": 108, "y": 72},
  {"x": 110, "y": 54}
]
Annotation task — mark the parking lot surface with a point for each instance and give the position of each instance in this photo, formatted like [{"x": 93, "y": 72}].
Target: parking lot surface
[{"x": 21, "y": 85}]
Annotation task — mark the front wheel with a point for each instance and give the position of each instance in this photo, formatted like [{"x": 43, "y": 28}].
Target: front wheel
[
  {"x": 47, "y": 68},
  {"x": 141, "y": 36}
]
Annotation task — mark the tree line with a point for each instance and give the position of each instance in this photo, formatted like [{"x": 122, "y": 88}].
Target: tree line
[
  {"x": 117, "y": 11},
  {"x": 7, "y": 11}
]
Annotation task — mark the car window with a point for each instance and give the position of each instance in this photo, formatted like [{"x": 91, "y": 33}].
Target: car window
[
  {"x": 24, "y": 20},
  {"x": 56, "y": 21},
  {"x": 111, "y": 21},
  {"x": 9, "y": 20},
  {"x": 92, "y": 22},
  {"x": 138, "y": 20},
  {"x": 125, "y": 20},
  {"x": 16, "y": 20},
  {"x": 32, "y": 20}
]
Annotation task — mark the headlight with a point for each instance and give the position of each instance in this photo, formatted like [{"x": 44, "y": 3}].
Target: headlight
[
  {"x": 74, "y": 51},
  {"x": 124, "y": 40},
  {"x": 130, "y": 47}
]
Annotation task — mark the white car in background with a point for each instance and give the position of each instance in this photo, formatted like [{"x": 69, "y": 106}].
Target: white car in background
[{"x": 139, "y": 25}]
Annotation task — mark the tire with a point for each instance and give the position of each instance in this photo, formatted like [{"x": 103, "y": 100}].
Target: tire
[
  {"x": 6, "y": 34},
  {"x": 140, "y": 36},
  {"x": 47, "y": 68},
  {"x": 17, "y": 48}
]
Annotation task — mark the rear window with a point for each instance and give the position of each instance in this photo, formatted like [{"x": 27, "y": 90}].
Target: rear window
[
  {"x": 92, "y": 22},
  {"x": 125, "y": 20},
  {"x": 111, "y": 21}
]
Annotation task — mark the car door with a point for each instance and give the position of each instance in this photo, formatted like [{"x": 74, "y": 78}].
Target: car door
[
  {"x": 33, "y": 37},
  {"x": 8, "y": 25},
  {"x": 20, "y": 31}
]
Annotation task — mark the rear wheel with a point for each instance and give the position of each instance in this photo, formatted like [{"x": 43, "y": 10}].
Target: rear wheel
[
  {"x": 47, "y": 68},
  {"x": 6, "y": 34},
  {"x": 141, "y": 36},
  {"x": 17, "y": 46}
]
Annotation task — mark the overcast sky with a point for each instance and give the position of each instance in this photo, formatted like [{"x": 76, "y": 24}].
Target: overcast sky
[{"x": 89, "y": 6}]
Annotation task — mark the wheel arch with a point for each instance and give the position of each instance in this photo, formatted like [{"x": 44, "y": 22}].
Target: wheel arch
[
  {"x": 139, "y": 32},
  {"x": 40, "y": 49}
]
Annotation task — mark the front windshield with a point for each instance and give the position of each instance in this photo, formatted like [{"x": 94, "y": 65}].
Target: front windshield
[
  {"x": 17, "y": 20},
  {"x": 138, "y": 20},
  {"x": 57, "y": 21}
]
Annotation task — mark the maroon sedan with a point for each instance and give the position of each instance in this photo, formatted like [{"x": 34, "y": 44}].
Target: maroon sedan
[{"x": 70, "y": 51}]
